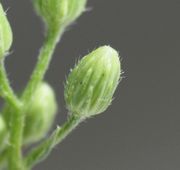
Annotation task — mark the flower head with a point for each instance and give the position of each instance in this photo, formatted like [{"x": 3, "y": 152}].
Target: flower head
[{"x": 91, "y": 84}]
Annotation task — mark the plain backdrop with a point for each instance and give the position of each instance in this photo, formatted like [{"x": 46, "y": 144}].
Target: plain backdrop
[{"x": 141, "y": 130}]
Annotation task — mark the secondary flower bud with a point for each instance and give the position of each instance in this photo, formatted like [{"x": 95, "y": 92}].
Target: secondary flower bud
[
  {"x": 91, "y": 84},
  {"x": 40, "y": 115},
  {"x": 58, "y": 13},
  {"x": 5, "y": 33}
]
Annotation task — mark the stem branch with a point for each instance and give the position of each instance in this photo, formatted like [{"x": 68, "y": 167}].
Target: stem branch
[
  {"x": 18, "y": 117},
  {"x": 5, "y": 89},
  {"x": 42, "y": 65},
  {"x": 15, "y": 121},
  {"x": 42, "y": 151}
]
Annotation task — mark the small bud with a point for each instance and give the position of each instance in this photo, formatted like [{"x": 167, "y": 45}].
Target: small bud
[
  {"x": 91, "y": 84},
  {"x": 3, "y": 133},
  {"x": 40, "y": 115},
  {"x": 5, "y": 33},
  {"x": 58, "y": 13}
]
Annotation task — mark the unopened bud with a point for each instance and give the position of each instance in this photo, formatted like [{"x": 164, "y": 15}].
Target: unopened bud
[
  {"x": 58, "y": 13},
  {"x": 91, "y": 84},
  {"x": 41, "y": 114}
]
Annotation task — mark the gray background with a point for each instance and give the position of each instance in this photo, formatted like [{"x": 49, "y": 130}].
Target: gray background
[{"x": 141, "y": 130}]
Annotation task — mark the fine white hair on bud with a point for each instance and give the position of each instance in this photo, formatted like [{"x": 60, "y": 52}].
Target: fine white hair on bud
[
  {"x": 58, "y": 13},
  {"x": 91, "y": 84},
  {"x": 6, "y": 37}
]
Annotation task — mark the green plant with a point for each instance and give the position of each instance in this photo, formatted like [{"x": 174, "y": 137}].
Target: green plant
[{"x": 89, "y": 89}]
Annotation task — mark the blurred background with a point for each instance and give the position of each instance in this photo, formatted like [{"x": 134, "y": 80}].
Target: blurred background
[{"x": 141, "y": 130}]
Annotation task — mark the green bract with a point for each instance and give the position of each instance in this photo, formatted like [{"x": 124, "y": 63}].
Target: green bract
[
  {"x": 40, "y": 115},
  {"x": 58, "y": 13},
  {"x": 5, "y": 33},
  {"x": 91, "y": 84}
]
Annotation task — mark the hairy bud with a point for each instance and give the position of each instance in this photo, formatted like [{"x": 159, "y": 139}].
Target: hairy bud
[
  {"x": 58, "y": 13},
  {"x": 40, "y": 115},
  {"x": 91, "y": 84}
]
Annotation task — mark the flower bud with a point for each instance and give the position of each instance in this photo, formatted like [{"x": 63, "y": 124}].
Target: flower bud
[
  {"x": 40, "y": 115},
  {"x": 58, "y": 13},
  {"x": 91, "y": 84},
  {"x": 5, "y": 33},
  {"x": 3, "y": 133}
]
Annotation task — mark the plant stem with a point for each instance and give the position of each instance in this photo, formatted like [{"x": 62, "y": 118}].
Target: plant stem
[
  {"x": 39, "y": 153},
  {"x": 16, "y": 130},
  {"x": 15, "y": 161},
  {"x": 42, "y": 65},
  {"x": 15, "y": 124},
  {"x": 5, "y": 90}
]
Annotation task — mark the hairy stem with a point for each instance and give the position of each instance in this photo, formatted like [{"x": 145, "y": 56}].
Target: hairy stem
[
  {"x": 16, "y": 131},
  {"x": 39, "y": 153},
  {"x": 15, "y": 121},
  {"x": 17, "y": 111},
  {"x": 15, "y": 161},
  {"x": 42, "y": 65},
  {"x": 5, "y": 89}
]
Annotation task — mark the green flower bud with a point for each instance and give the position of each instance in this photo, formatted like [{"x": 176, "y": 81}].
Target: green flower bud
[
  {"x": 91, "y": 84},
  {"x": 40, "y": 115},
  {"x": 3, "y": 133},
  {"x": 58, "y": 13},
  {"x": 5, "y": 33}
]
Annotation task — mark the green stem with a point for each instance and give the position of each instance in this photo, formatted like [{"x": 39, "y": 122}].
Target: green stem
[
  {"x": 15, "y": 161},
  {"x": 15, "y": 124},
  {"x": 16, "y": 130},
  {"x": 42, "y": 151},
  {"x": 5, "y": 90},
  {"x": 17, "y": 118},
  {"x": 42, "y": 65}
]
